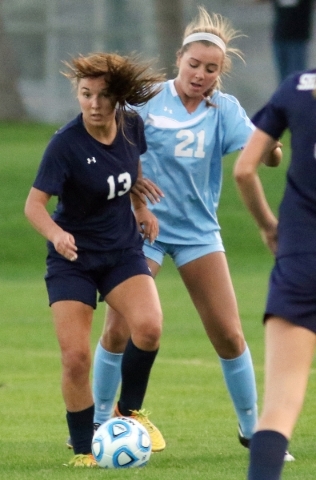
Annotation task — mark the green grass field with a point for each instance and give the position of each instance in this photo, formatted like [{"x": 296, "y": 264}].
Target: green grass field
[{"x": 186, "y": 394}]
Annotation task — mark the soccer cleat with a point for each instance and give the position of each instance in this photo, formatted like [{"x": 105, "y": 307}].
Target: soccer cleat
[
  {"x": 157, "y": 441},
  {"x": 69, "y": 441},
  {"x": 245, "y": 442},
  {"x": 82, "y": 460},
  {"x": 288, "y": 457}
]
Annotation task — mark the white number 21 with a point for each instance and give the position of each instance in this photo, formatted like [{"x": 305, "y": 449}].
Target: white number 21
[{"x": 184, "y": 148}]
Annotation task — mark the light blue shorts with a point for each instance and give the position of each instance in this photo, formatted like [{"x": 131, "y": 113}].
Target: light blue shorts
[{"x": 180, "y": 254}]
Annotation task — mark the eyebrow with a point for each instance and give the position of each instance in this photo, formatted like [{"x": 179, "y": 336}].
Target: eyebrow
[
  {"x": 207, "y": 65},
  {"x": 104, "y": 90}
]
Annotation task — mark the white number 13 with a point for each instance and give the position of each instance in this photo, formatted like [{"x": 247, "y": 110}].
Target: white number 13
[{"x": 124, "y": 179}]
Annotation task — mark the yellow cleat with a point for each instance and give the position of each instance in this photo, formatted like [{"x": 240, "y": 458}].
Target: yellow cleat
[
  {"x": 157, "y": 441},
  {"x": 81, "y": 460}
]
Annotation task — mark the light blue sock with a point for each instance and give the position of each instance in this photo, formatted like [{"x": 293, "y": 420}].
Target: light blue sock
[
  {"x": 106, "y": 380},
  {"x": 240, "y": 381}
]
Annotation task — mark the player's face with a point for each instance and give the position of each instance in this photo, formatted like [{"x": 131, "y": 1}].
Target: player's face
[
  {"x": 199, "y": 68},
  {"x": 98, "y": 108}
]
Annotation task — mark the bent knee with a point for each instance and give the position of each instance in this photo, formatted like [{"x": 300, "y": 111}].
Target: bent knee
[
  {"x": 115, "y": 337},
  {"x": 148, "y": 332},
  {"x": 230, "y": 345}
]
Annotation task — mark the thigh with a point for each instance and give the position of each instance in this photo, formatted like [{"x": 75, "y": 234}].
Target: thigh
[
  {"x": 289, "y": 354},
  {"x": 209, "y": 284},
  {"x": 136, "y": 300},
  {"x": 72, "y": 321}
]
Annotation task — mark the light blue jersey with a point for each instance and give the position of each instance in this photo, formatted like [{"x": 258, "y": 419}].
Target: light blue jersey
[{"x": 184, "y": 159}]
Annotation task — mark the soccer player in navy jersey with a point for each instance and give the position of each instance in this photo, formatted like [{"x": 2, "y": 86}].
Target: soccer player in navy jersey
[
  {"x": 94, "y": 239},
  {"x": 290, "y": 312},
  {"x": 189, "y": 126}
]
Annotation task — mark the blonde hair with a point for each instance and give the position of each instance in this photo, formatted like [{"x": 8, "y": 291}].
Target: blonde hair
[{"x": 217, "y": 25}]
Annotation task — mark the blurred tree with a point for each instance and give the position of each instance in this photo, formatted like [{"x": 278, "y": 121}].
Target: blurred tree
[
  {"x": 169, "y": 18},
  {"x": 11, "y": 105}
]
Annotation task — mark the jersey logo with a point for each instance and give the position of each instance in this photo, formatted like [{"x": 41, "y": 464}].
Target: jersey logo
[
  {"x": 91, "y": 160},
  {"x": 167, "y": 110},
  {"x": 307, "y": 81}
]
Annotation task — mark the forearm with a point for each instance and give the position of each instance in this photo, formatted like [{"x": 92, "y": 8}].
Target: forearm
[
  {"x": 253, "y": 196},
  {"x": 40, "y": 219}
]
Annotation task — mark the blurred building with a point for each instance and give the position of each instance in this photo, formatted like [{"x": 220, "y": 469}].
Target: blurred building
[{"x": 43, "y": 33}]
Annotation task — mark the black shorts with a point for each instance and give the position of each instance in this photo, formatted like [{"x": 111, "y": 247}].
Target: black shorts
[
  {"x": 91, "y": 273},
  {"x": 292, "y": 290}
]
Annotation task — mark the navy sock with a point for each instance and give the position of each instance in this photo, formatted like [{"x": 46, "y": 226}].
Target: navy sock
[
  {"x": 136, "y": 367},
  {"x": 267, "y": 449},
  {"x": 80, "y": 426}
]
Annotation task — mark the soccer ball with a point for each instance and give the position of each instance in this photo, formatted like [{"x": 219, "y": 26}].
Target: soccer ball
[{"x": 121, "y": 442}]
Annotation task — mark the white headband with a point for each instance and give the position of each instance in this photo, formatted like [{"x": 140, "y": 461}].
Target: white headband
[{"x": 210, "y": 37}]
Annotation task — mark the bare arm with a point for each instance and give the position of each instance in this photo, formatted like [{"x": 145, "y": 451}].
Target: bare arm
[
  {"x": 37, "y": 214},
  {"x": 250, "y": 186},
  {"x": 146, "y": 220}
]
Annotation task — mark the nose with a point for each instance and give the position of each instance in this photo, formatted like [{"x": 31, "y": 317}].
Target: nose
[
  {"x": 95, "y": 102},
  {"x": 199, "y": 73}
]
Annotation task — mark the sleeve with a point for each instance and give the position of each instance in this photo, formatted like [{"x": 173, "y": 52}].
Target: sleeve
[
  {"x": 53, "y": 170},
  {"x": 272, "y": 118},
  {"x": 237, "y": 127}
]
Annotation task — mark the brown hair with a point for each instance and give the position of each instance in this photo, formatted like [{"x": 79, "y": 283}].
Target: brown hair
[{"x": 129, "y": 81}]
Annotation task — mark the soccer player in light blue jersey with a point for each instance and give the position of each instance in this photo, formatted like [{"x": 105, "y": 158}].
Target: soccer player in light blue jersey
[{"x": 189, "y": 127}]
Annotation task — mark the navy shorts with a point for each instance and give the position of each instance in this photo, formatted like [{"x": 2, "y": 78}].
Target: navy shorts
[
  {"x": 292, "y": 290},
  {"x": 91, "y": 273}
]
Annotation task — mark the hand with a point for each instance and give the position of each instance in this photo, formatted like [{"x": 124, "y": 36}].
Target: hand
[
  {"x": 144, "y": 187},
  {"x": 147, "y": 222},
  {"x": 274, "y": 157},
  {"x": 64, "y": 244},
  {"x": 270, "y": 238}
]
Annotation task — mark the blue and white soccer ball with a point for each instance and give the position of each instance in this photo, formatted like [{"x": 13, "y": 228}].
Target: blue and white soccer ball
[{"x": 121, "y": 442}]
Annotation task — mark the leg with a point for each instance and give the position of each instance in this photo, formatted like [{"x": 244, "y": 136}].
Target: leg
[
  {"x": 137, "y": 301},
  {"x": 108, "y": 359},
  {"x": 209, "y": 284},
  {"x": 72, "y": 322},
  {"x": 289, "y": 354},
  {"x": 107, "y": 364}
]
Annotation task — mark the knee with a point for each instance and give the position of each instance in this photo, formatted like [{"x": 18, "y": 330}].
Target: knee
[
  {"x": 148, "y": 332},
  {"x": 115, "y": 336},
  {"x": 230, "y": 345},
  {"x": 76, "y": 364}
]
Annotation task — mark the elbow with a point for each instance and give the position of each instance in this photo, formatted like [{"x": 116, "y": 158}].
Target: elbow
[{"x": 242, "y": 176}]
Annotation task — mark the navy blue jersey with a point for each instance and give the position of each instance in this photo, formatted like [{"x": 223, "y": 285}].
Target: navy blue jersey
[
  {"x": 293, "y": 107},
  {"x": 92, "y": 182}
]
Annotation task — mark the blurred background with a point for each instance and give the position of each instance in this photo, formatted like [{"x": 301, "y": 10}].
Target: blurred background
[{"x": 37, "y": 35}]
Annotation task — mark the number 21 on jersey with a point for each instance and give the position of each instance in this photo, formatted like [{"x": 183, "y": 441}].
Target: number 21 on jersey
[{"x": 192, "y": 145}]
